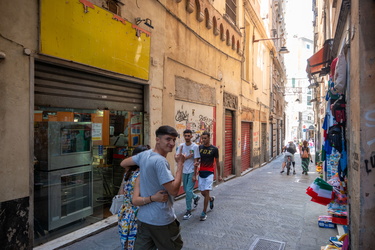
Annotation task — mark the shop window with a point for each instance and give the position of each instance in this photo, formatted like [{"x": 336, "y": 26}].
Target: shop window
[{"x": 77, "y": 156}]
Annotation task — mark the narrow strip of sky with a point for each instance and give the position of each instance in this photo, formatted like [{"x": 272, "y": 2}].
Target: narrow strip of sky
[{"x": 299, "y": 17}]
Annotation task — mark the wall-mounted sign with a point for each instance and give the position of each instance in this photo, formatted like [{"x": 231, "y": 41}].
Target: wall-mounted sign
[{"x": 82, "y": 32}]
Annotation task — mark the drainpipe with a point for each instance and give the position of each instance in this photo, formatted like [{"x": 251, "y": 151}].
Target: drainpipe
[{"x": 260, "y": 135}]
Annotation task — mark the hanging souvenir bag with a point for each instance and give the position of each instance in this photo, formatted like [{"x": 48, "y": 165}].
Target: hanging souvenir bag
[
  {"x": 340, "y": 75},
  {"x": 338, "y": 109},
  {"x": 335, "y": 137}
]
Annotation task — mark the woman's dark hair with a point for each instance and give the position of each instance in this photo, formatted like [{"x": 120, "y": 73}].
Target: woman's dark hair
[{"x": 133, "y": 168}]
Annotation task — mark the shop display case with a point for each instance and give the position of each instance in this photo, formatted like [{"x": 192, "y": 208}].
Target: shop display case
[
  {"x": 62, "y": 196},
  {"x": 61, "y": 145},
  {"x": 63, "y": 177}
]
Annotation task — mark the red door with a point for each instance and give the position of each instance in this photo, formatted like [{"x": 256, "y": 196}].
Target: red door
[
  {"x": 228, "y": 157},
  {"x": 245, "y": 145}
]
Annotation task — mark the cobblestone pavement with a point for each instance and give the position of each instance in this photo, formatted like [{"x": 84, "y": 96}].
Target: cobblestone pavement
[{"x": 261, "y": 204}]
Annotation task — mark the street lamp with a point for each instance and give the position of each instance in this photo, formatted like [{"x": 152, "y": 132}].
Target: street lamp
[{"x": 283, "y": 49}]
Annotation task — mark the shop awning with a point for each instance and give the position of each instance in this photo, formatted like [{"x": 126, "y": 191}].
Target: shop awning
[{"x": 320, "y": 61}]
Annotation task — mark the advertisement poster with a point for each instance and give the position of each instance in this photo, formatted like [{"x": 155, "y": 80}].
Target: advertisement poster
[{"x": 96, "y": 131}]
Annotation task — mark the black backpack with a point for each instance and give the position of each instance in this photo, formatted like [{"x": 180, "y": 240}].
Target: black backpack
[
  {"x": 291, "y": 150},
  {"x": 335, "y": 137}
]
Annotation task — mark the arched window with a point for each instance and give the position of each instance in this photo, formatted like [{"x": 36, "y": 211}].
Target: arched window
[
  {"x": 215, "y": 30},
  {"x": 199, "y": 14},
  {"x": 233, "y": 43},
  {"x": 238, "y": 47},
  {"x": 222, "y": 34},
  {"x": 208, "y": 20},
  {"x": 227, "y": 37}
]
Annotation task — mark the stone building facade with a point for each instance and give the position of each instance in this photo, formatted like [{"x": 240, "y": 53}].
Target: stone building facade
[{"x": 97, "y": 78}]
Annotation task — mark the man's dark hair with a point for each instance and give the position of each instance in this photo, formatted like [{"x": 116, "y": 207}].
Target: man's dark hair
[
  {"x": 206, "y": 133},
  {"x": 188, "y": 131},
  {"x": 166, "y": 130}
]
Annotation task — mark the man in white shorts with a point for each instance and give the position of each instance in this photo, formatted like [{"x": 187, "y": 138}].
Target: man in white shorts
[{"x": 209, "y": 158}]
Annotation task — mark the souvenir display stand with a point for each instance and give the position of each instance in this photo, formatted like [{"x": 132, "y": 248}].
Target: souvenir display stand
[{"x": 331, "y": 188}]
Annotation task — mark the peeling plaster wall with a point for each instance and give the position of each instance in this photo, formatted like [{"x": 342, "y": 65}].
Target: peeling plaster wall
[
  {"x": 17, "y": 33},
  {"x": 362, "y": 134}
]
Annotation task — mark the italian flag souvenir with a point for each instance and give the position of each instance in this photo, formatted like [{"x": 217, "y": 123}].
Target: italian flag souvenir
[{"x": 320, "y": 191}]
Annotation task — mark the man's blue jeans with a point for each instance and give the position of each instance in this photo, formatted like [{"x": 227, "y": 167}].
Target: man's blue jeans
[{"x": 187, "y": 180}]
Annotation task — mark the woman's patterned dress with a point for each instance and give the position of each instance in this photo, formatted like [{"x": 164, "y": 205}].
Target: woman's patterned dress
[{"x": 127, "y": 215}]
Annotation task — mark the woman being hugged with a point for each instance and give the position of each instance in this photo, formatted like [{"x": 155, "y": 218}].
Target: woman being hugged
[
  {"x": 127, "y": 214},
  {"x": 305, "y": 156}
]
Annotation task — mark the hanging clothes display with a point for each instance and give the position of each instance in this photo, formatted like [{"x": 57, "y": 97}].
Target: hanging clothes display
[{"x": 333, "y": 158}]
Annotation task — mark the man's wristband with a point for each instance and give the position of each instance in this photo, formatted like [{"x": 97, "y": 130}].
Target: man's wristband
[{"x": 151, "y": 199}]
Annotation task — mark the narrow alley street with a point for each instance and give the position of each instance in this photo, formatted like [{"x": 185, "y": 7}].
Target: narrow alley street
[{"x": 261, "y": 204}]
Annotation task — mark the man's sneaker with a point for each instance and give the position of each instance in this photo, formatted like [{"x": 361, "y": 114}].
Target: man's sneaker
[
  {"x": 196, "y": 199},
  {"x": 187, "y": 215},
  {"x": 203, "y": 216},
  {"x": 212, "y": 202}
]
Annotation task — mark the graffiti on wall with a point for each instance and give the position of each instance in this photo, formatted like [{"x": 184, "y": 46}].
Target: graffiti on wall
[
  {"x": 182, "y": 116},
  {"x": 256, "y": 139},
  {"x": 370, "y": 122},
  {"x": 197, "y": 118}
]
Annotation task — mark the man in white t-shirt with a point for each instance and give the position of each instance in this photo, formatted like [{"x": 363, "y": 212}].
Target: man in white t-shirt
[{"x": 189, "y": 172}]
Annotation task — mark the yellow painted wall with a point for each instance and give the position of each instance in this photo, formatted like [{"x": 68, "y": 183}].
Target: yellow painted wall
[{"x": 97, "y": 38}]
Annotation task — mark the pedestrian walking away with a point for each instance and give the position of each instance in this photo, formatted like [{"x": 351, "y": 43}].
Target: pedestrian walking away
[
  {"x": 289, "y": 150},
  {"x": 189, "y": 172},
  {"x": 305, "y": 156},
  {"x": 209, "y": 159},
  {"x": 158, "y": 226}
]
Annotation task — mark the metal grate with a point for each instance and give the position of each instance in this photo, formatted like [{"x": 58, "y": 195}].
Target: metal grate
[{"x": 265, "y": 244}]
